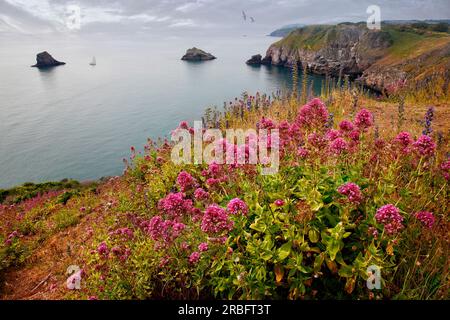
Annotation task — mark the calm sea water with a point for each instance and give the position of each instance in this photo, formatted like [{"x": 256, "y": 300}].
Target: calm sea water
[{"x": 78, "y": 121}]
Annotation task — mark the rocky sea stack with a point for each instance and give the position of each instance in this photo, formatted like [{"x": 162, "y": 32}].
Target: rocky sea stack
[
  {"x": 195, "y": 54},
  {"x": 45, "y": 60},
  {"x": 255, "y": 60}
]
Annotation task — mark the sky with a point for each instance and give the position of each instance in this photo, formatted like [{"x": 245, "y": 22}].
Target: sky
[{"x": 175, "y": 17}]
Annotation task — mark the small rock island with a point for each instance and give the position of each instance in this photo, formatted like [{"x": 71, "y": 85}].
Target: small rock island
[
  {"x": 45, "y": 60},
  {"x": 195, "y": 54},
  {"x": 255, "y": 60}
]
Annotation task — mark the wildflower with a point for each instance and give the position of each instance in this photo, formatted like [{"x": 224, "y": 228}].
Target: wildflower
[
  {"x": 425, "y": 146},
  {"x": 11, "y": 237},
  {"x": 338, "y": 146},
  {"x": 185, "y": 246},
  {"x": 201, "y": 194},
  {"x": 373, "y": 232},
  {"x": 183, "y": 125},
  {"x": 216, "y": 220},
  {"x": 124, "y": 233},
  {"x": 92, "y": 298},
  {"x": 103, "y": 250},
  {"x": 346, "y": 126},
  {"x": 302, "y": 153},
  {"x": 185, "y": 181},
  {"x": 354, "y": 135},
  {"x": 333, "y": 134},
  {"x": 237, "y": 205},
  {"x": 428, "y": 121},
  {"x": 316, "y": 140},
  {"x": 445, "y": 167},
  {"x": 178, "y": 228},
  {"x": 202, "y": 247},
  {"x": 364, "y": 119},
  {"x": 427, "y": 218},
  {"x": 279, "y": 203},
  {"x": 164, "y": 261},
  {"x": 313, "y": 115},
  {"x": 390, "y": 217},
  {"x": 294, "y": 130},
  {"x": 404, "y": 141},
  {"x": 194, "y": 257},
  {"x": 174, "y": 205},
  {"x": 266, "y": 123},
  {"x": 352, "y": 191},
  {"x": 154, "y": 227},
  {"x": 212, "y": 182}
]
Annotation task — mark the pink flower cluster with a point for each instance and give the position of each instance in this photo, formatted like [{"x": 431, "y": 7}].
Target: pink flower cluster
[
  {"x": 194, "y": 257},
  {"x": 215, "y": 174},
  {"x": 29, "y": 204},
  {"x": 121, "y": 252},
  {"x": 216, "y": 220},
  {"x": 427, "y": 218},
  {"x": 237, "y": 206},
  {"x": 175, "y": 206},
  {"x": 425, "y": 146},
  {"x": 338, "y": 146},
  {"x": 364, "y": 119},
  {"x": 404, "y": 141},
  {"x": 317, "y": 140},
  {"x": 346, "y": 126},
  {"x": 186, "y": 182},
  {"x": 390, "y": 217},
  {"x": 202, "y": 247},
  {"x": 165, "y": 230},
  {"x": 279, "y": 202},
  {"x": 352, "y": 191},
  {"x": 266, "y": 123},
  {"x": 313, "y": 115},
  {"x": 11, "y": 237},
  {"x": 302, "y": 153},
  {"x": 201, "y": 194},
  {"x": 123, "y": 233},
  {"x": 103, "y": 250},
  {"x": 445, "y": 167}
]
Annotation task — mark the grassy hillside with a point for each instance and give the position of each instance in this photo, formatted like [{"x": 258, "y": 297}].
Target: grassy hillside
[{"x": 362, "y": 181}]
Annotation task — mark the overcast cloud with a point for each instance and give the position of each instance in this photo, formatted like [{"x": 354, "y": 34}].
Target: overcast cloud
[{"x": 206, "y": 16}]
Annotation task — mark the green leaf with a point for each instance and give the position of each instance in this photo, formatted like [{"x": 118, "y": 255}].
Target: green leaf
[
  {"x": 318, "y": 261},
  {"x": 314, "y": 236},
  {"x": 259, "y": 225},
  {"x": 346, "y": 271},
  {"x": 284, "y": 251}
]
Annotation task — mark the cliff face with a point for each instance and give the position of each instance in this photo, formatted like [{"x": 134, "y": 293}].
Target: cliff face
[{"x": 376, "y": 58}]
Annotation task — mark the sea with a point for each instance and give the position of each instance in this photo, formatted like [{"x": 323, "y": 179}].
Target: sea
[{"x": 79, "y": 121}]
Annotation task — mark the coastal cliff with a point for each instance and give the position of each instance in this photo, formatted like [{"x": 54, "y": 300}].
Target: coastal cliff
[{"x": 378, "y": 59}]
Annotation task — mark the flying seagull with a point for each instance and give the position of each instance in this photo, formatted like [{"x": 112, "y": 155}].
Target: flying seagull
[
  {"x": 252, "y": 19},
  {"x": 244, "y": 15}
]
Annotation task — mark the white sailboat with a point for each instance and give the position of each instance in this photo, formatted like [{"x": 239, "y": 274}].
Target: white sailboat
[{"x": 93, "y": 62}]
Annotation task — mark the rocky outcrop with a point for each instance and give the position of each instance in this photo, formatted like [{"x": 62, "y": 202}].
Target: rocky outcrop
[
  {"x": 369, "y": 56},
  {"x": 255, "y": 60},
  {"x": 45, "y": 60},
  {"x": 195, "y": 54}
]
